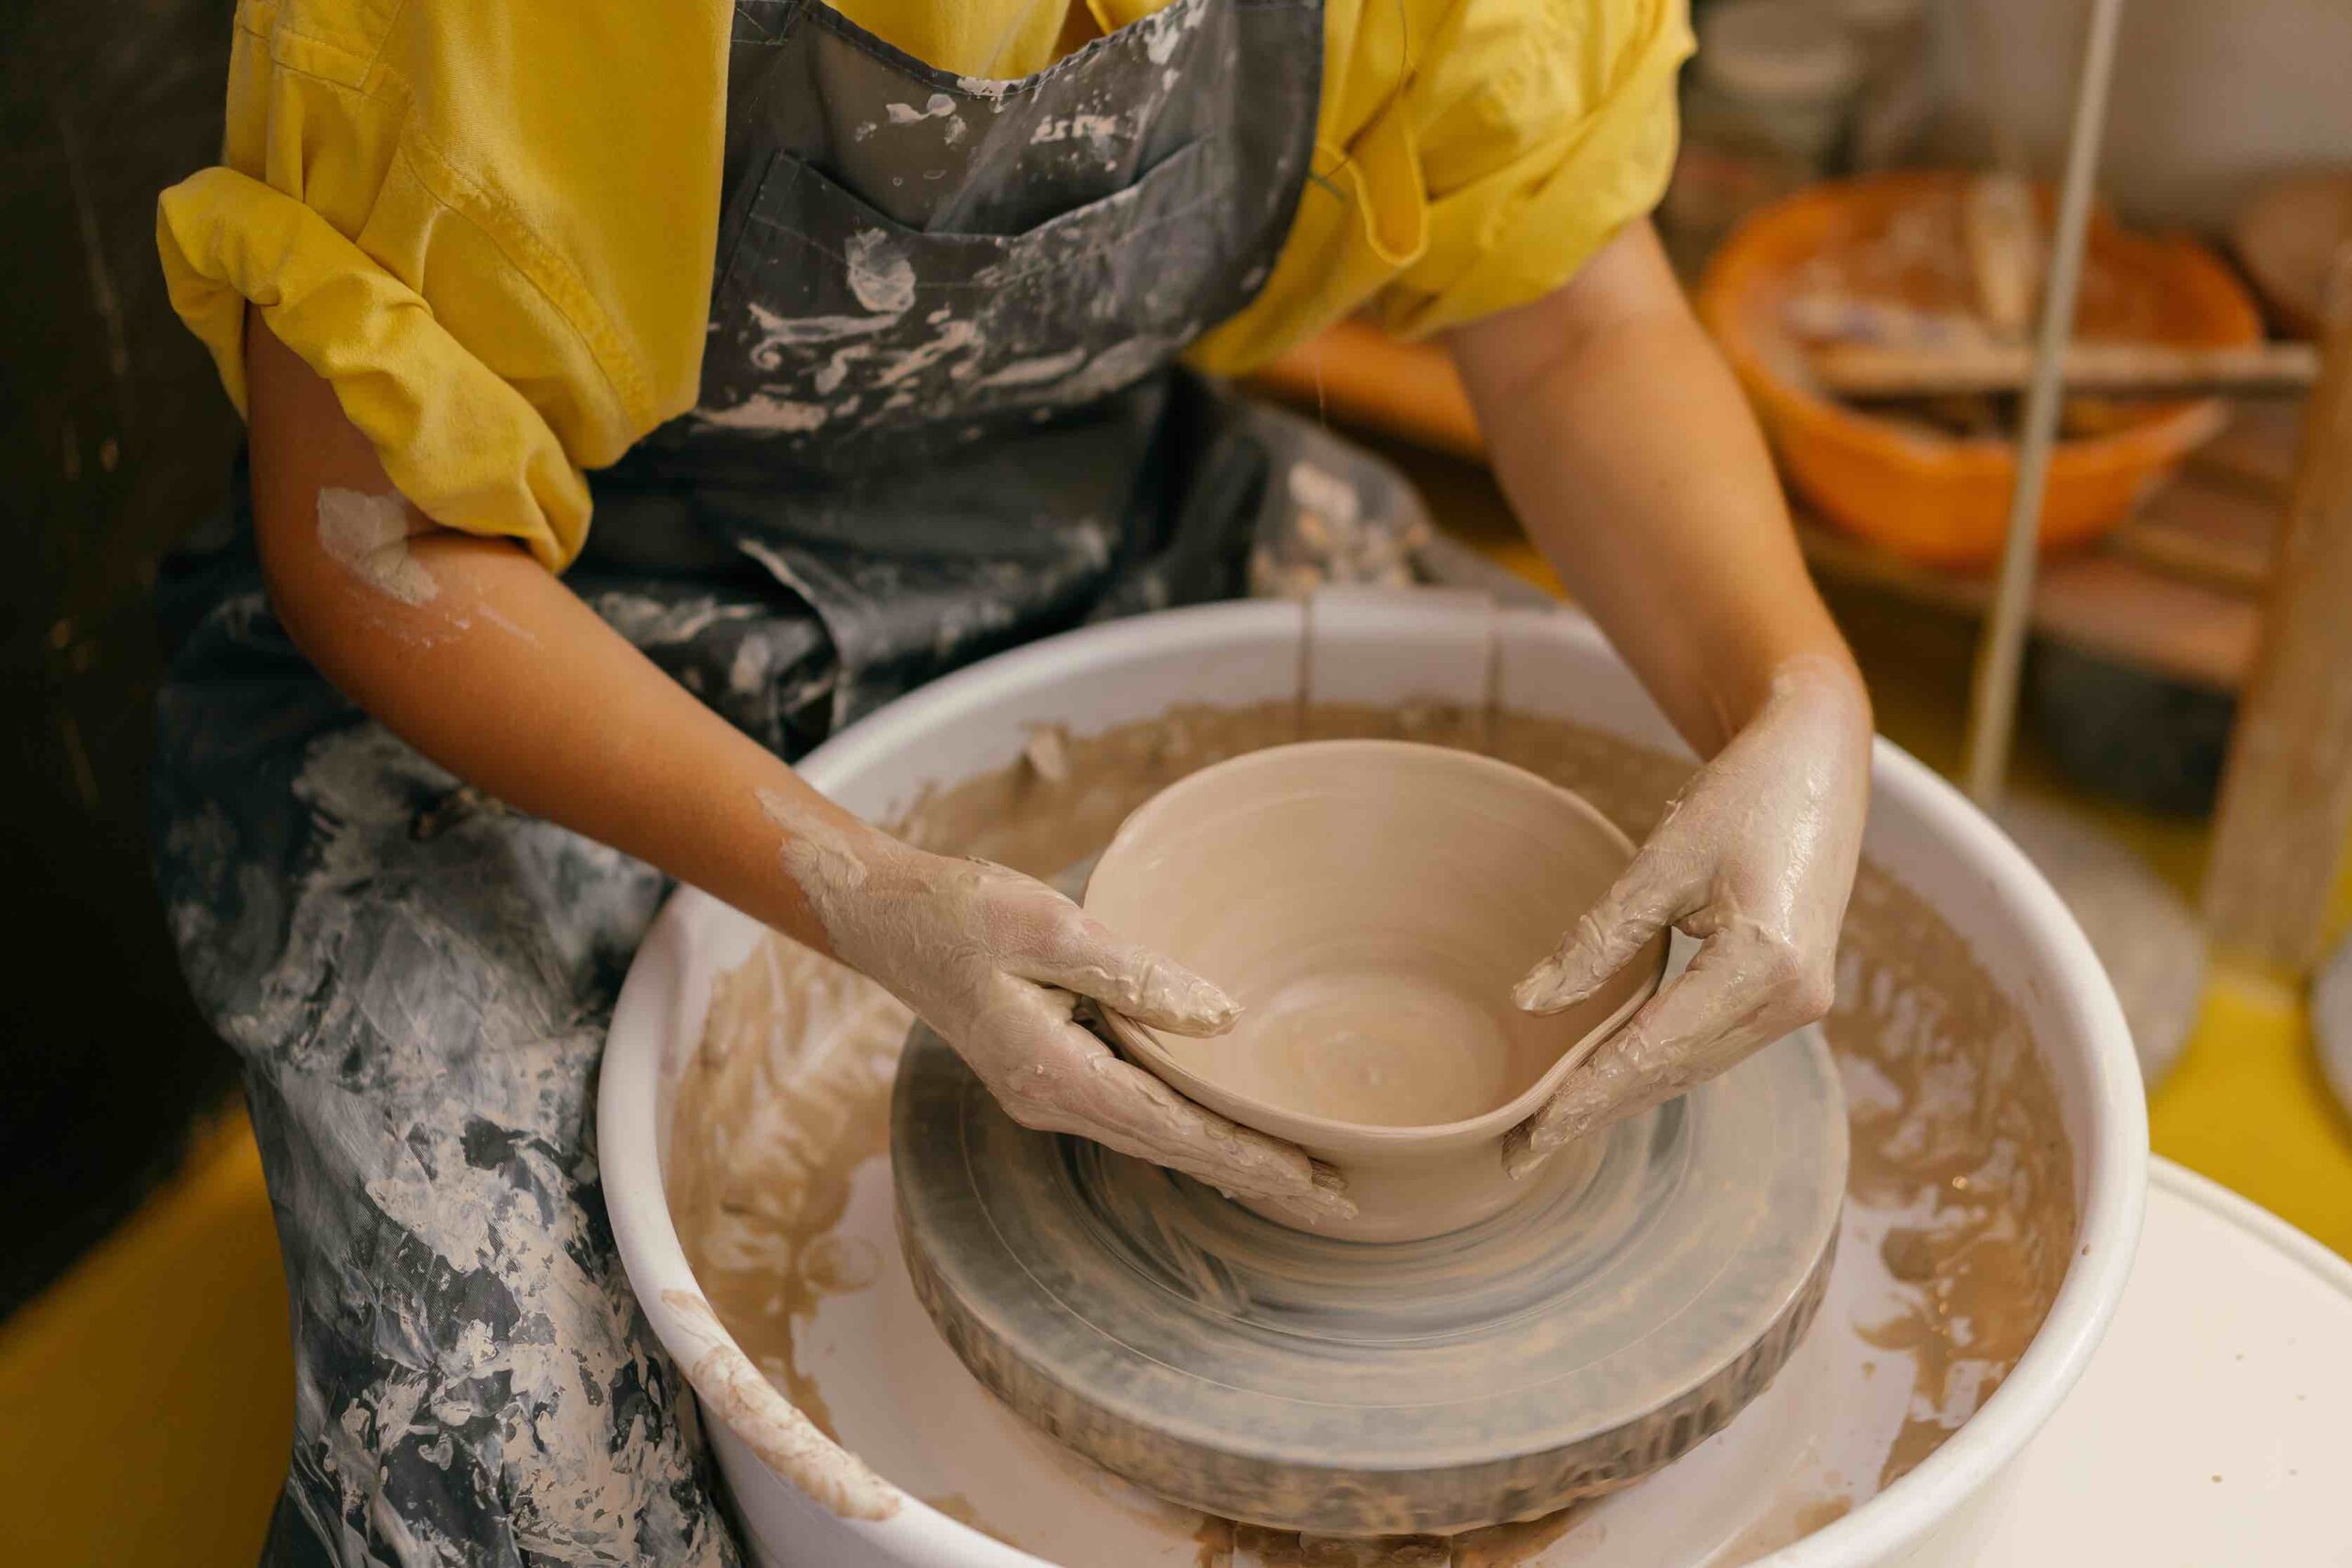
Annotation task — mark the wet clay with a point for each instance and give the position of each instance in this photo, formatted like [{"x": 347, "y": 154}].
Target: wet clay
[
  {"x": 1954, "y": 1127},
  {"x": 759, "y": 1171},
  {"x": 1387, "y": 1038},
  {"x": 1960, "y": 1180},
  {"x": 732, "y": 1390},
  {"x": 1370, "y": 903}
]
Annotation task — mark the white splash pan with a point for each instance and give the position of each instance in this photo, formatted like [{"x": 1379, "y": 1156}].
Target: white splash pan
[{"x": 1393, "y": 648}]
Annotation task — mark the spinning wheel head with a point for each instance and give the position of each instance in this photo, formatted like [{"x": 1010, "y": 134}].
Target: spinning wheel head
[{"x": 1648, "y": 1284}]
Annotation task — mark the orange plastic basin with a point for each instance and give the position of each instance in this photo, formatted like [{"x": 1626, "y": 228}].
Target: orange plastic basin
[{"x": 1939, "y": 499}]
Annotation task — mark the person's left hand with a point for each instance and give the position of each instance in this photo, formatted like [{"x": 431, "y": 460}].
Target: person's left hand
[{"x": 1755, "y": 857}]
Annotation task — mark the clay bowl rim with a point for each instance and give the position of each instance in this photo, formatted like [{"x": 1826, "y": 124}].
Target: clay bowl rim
[{"x": 1432, "y": 1137}]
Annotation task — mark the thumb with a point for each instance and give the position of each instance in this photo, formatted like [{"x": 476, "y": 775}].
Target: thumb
[{"x": 1639, "y": 905}]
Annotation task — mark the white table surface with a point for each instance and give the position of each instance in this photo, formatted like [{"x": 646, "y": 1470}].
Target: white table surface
[{"x": 2213, "y": 1428}]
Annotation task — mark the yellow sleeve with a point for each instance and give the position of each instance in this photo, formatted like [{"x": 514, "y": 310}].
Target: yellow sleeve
[
  {"x": 1470, "y": 155},
  {"x": 489, "y": 227}
]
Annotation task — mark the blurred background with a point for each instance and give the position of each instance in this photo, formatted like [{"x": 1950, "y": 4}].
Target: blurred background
[{"x": 1857, "y": 176}]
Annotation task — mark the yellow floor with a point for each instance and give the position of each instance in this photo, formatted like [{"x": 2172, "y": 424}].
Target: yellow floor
[{"x": 145, "y": 1401}]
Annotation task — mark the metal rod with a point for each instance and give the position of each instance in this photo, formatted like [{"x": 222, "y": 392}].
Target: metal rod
[{"x": 1993, "y": 709}]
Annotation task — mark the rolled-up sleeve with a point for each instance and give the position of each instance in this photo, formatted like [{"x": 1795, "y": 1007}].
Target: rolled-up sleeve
[
  {"x": 1569, "y": 135},
  {"x": 487, "y": 228},
  {"x": 1470, "y": 156}
]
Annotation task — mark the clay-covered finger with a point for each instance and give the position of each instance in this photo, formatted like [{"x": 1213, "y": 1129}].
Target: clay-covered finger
[
  {"x": 1141, "y": 1116},
  {"x": 1643, "y": 901},
  {"x": 1325, "y": 1201},
  {"x": 1089, "y": 960},
  {"x": 1724, "y": 1006},
  {"x": 1080, "y": 1088}
]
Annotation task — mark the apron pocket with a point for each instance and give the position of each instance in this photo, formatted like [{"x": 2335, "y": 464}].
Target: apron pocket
[{"x": 833, "y": 320}]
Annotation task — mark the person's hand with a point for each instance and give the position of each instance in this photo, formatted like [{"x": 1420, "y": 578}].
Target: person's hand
[
  {"x": 1755, "y": 857},
  {"x": 994, "y": 961}
]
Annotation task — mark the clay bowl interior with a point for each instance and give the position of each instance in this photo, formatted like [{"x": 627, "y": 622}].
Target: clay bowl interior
[{"x": 1371, "y": 904}]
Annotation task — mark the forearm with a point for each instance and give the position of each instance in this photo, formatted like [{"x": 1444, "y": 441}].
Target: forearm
[
  {"x": 476, "y": 656},
  {"x": 470, "y": 652},
  {"x": 1623, "y": 444},
  {"x": 1626, "y": 450}
]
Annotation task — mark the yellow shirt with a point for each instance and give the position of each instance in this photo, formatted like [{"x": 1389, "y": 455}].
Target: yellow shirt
[{"x": 491, "y": 226}]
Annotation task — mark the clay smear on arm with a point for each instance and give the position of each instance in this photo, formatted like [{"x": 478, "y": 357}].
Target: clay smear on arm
[{"x": 368, "y": 536}]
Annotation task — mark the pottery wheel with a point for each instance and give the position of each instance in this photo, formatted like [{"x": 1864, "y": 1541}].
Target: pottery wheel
[{"x": 1649, "y": 1284}]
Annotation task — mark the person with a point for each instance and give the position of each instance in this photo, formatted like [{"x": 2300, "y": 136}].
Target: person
[{"x": 893, "y": 334}]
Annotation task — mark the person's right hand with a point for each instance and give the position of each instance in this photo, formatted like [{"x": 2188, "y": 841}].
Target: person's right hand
[{"x": 995, "y": 961}]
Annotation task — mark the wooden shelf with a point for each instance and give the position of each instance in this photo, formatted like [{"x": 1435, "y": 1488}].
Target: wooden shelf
[
  {"x": 2177, "y": 591},
  {"x": 2101, "y": 601}
]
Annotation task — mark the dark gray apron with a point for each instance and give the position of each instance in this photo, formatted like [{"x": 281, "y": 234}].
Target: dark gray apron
[
  {"x": 940, "y": 416},
  {"x": 938, "y": 402}
]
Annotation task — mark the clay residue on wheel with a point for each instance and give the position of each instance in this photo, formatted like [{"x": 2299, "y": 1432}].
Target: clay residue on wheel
[
  {"x": 787, "y": 1094},
  {"x": 732, "y": 1390},
  {"x": 1960, "y": 1184},
  {"x": 1956, "y": 1128}
]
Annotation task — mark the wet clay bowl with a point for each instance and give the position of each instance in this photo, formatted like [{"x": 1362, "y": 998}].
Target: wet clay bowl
[{"x": 1370, "y": 904}]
